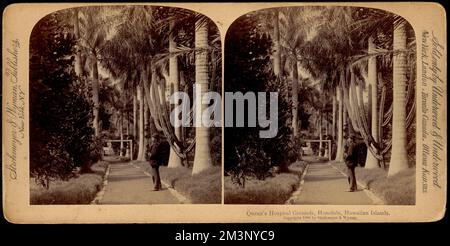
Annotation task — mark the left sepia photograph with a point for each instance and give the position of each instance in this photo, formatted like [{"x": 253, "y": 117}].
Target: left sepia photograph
[{"x": 125, "y": 107}]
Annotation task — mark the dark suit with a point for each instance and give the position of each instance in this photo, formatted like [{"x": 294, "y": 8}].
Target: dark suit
[
  {"x": 351, "y": 160},
  {"x": 158, "y": 155}
]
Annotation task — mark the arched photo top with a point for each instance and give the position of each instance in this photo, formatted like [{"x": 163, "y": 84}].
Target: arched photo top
[
  {"x": 94, "y": 27},
  {"x": 307, "y": 34},
  {"x": 101, "y": 80},
  {"x": 344, "y": 76}
]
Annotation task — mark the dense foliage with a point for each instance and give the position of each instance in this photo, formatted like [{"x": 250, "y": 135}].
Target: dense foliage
[
  {"x": 61, "y": 136},
  {"x": 248, "y": 69},
  {"x": 331, "y": 46}
]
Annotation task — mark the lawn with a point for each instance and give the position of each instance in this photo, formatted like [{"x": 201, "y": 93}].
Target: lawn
[
  {"x": 203, "y": 188},
  {"x": 399, "y": 189},
  {"x": 272, "y": 190},
  {"x": 79, "y": 190}
]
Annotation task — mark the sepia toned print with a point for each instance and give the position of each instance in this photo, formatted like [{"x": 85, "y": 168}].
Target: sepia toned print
[
  {"x": 347, "y": 79},
  {"x": 330, "y": 112},
  {"x": 100, "y": 83}
]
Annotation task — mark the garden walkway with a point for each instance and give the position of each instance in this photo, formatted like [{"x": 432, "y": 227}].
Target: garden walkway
[
  {"x": 128, "y": 184},
  {"x": 324, "y": 184}
]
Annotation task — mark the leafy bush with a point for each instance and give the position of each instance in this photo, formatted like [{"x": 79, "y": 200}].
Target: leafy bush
[
  {"x": 61, "y": 136},
  {"x": 248, "y": 69},
  {"x": 77, "y": 190},
  {"x": 273, "y": 190},
  {"x": 216, "y": 146},
  {"x": 202, "y": 188}
]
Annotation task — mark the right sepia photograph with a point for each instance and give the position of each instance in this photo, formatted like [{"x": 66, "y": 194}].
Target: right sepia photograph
[{"x": 320, "y": 107}]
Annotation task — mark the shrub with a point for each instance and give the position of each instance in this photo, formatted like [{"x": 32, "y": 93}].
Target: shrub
[
  {"x": 248, "y": 69},
  {"x": 61, "y": 136},
  {"x": 204, "y": 187},
  {"x": 171, "y": 175},
  {"x": 77, "y": 190},
  {"x": 216, "y": 146},
  {"x": 272, "y": 190}
]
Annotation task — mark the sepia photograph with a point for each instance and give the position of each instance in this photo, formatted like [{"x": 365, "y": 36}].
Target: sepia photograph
[
  {"x": 346, "y": 79},
  {"x": 102, "y": 84},
  {"x": 173, "y": 113}
]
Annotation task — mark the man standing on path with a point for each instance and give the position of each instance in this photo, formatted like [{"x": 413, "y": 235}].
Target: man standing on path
[
  {"x": 157, "y": 155},
  {"x": 351, "y": 160}
]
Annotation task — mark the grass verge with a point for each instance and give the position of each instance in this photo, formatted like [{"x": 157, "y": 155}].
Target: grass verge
[
  {"x": 78, "y": 190},
  {"x": 272, "y": 190},
  {"x": 202, "y": 188},
  {"x": 400, "y": 189}
]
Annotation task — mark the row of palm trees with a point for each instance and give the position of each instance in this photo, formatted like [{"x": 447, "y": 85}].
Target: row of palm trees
[
  {"x": 144, "y": 50},
  {"x": 348, "y": 49},
  {"x": 345, "y": 49}
]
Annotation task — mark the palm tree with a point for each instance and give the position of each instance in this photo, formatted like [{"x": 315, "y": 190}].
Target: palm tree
[
  {"x": 188, "y": 47},
  {"x": 125, "y": 55},
  {"x": 94, "y": 30},
  {"x": 372, "y": 74},
  {"x": 145, "y": 45},
  {"x": 134, "y": 131},
  {"x": 399, "y": 160},
  {"x": 295, "y": 30},
  {"x": 95, "y": 93},
  {"x": 174, "y": 83},
  {"x": 333, "y": 124},
  {"x": 340, "y": 126},
  {"x": 202, "y": 160},
  {"x": 378, "y": 25},
  {"x": 76, "y": 31},
  {"x": 141, "y": 99},
  {"x": 320, "y": 133},
  {"x": 327, "y": 56},
  {"x": 276, "y": 44},
  {"x": 295, "y": 130}
]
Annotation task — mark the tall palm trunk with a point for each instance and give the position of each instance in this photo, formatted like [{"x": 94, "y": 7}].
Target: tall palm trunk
[
  {"x": 76, "y": 31},
  {"x": 340, "y": 126},
  {"x": 146, "y": 125},
  {"x": 174, "y": 159},
  {"x": 121, "y": 131},
  {"x": 299, "y": 85},
  {"x": 276, "y": 43},
  {"x": 134, "y": 129},
  {"x": 202, "y": 158},
  {"x": 348, "y": 115},
  {"x": 371, "y": 161},
  {"x": 127, "y": 118},
  {"x": 95, "y": 95},
  {"x": 327, "y": 145},
  {"x": 346, "y": 124},
  {"x": 294, "y": 100},
  {"x": 399, "y": 158},
  {"x": 127, "y": 125},
  {"x": 320, "y": 134},
  {"x": 333, "y": 124},
  {"x": 135, "y": 115},
  {"x": 214, "y": 82},
  {"x": 141, "y": 154},
  {"x": 300, "y": 82}
]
